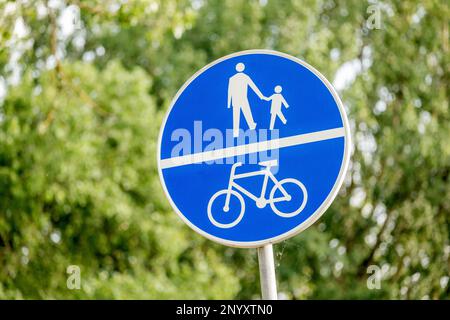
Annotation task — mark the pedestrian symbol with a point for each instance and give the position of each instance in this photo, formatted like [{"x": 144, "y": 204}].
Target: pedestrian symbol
[{"x": 264, "y": 171}]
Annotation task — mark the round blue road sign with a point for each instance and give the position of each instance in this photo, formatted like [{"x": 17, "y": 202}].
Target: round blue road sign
[{"x": 254, "y": 148}]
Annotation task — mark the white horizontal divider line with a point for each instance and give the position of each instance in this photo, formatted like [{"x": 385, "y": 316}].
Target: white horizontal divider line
[{"x": 252, "y": 148}]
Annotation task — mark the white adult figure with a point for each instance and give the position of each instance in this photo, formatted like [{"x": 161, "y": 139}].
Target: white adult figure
[{"x": 237, "y": 97}]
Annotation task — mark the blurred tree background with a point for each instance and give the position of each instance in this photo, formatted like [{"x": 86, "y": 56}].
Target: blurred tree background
[{"x": 83, "y": 89}]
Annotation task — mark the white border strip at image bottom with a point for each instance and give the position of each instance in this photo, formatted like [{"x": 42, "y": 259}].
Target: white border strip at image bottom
[{"x": 252, "y": 148}]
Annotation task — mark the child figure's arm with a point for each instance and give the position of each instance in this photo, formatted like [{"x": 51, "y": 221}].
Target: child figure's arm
[{"x": 284, "y": 101}]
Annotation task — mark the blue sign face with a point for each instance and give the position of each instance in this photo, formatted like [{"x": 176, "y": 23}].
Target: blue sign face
[{"x": 254, "y": 148}]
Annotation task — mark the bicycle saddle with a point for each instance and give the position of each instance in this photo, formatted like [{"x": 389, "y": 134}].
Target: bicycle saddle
[{"x": 269, "y": 163}]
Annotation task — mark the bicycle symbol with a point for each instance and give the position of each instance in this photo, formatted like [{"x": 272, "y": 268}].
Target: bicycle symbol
[{"x": 260, "y": 201}]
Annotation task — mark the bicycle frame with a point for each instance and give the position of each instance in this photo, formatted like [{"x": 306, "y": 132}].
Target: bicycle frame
[{"x": 261, "y": 199}]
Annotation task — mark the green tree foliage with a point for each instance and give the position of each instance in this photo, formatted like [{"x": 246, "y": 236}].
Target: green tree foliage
[{"x": 84, "y": 86}]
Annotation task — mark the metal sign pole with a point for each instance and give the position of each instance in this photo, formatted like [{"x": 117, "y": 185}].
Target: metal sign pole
[{"x": 267, "y": 273}]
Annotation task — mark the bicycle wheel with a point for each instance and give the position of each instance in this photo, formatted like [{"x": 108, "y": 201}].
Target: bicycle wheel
[
  {"x": 219, "y": 199},
  {"x": 288, "y": 184}
]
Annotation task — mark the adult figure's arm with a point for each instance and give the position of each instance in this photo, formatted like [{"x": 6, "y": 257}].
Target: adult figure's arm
[
  {"x": 255, "y": 88},
  {"x": 285, "y": 103},
  {"x": 229, "y": 94}
]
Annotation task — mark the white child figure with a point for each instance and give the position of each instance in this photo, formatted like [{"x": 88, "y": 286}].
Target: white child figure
[{"x": 275, "y": 108}]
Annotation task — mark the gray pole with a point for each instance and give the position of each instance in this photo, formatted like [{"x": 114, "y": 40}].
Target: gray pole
[{"x": 267, "y": 273}]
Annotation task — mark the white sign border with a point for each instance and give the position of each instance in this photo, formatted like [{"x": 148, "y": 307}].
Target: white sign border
[{"x": 329, "y": 199}]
